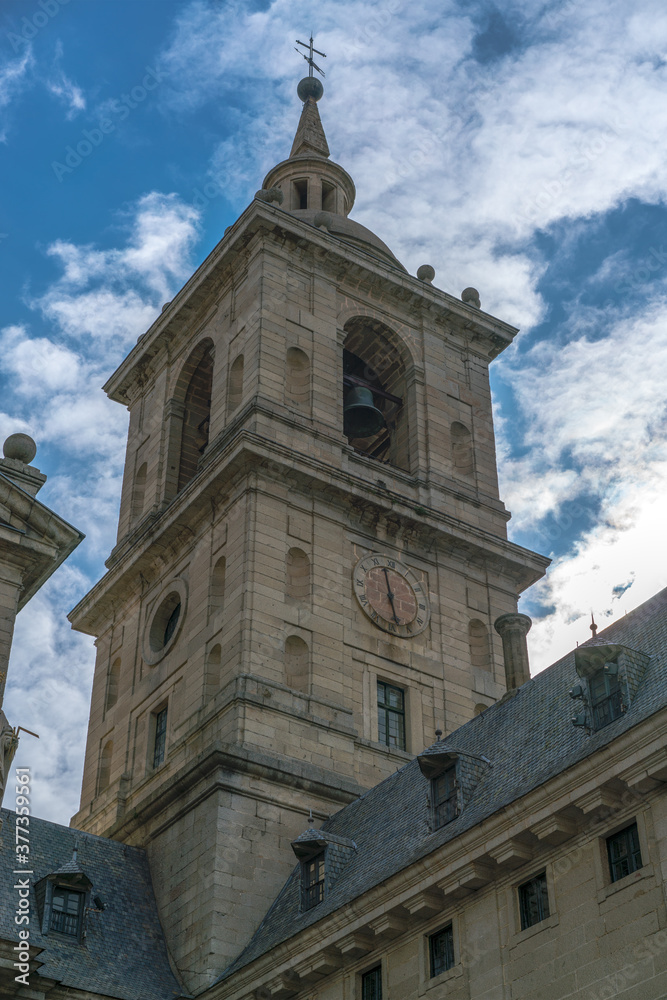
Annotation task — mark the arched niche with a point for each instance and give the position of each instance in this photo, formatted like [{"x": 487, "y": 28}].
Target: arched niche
[
  {"x": 213, "y": 674},
  {"x": 297, "y": 380},
  {"x": 297, "y": 664},
  {"x": 104, "y": 774},
  {"x": 297, "y": 582},
  {"x": 194, "y": 388},
  {"x": 113, "y": 678},
  {"x": 375, "y": 358},
  {"x": 478, "y": 642},
  {"x": 235, "y": 385},
  {"x": 139, "y": 492},
  {"x": 461, "y": 444},
  {"x": 217, "y": 588}
]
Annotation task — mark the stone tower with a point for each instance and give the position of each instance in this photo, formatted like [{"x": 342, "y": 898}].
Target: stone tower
[{"x": 311, "y": 550}]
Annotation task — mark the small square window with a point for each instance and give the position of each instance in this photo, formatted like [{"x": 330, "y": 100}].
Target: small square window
[
  {"x": 624, "y": 853},
  {"x": 445, "y": 797},
  {"x": 371, "y": 984},
  {"x": 441, "y": 951},
  {"x": 391, "y": 715},
  {"x": 66, "y": 911},
  {"x": 312, "y": 882},
  {"x": 606, "y": 698},
  {"x": 533, "y": 901},
  {"x": 160, "y": 740}
]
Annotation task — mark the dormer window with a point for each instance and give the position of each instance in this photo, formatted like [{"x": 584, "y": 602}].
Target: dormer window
[
  {"x": 66, "y": 911},
  {"x": 312, "y": 881},
  {"x": 444, "y": 790}
]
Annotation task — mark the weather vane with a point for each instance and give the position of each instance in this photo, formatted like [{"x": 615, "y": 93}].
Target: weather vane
[{"x": 309, "y": 58}]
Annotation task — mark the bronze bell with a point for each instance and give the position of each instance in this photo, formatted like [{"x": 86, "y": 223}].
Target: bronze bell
[{"x": 361, "y": 418}]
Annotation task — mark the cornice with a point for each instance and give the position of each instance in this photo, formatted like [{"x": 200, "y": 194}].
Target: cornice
[
  {"x": 228, "y": 460},
  {"x": 349, "y": 262}
]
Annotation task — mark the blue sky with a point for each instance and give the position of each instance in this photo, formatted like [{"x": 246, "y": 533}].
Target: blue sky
[{"x": 517, "y": 148}]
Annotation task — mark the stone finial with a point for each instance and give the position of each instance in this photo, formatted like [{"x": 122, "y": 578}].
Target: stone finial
[
  {"x": 309, "y": 87},
  {"x": 513, "y": 629},
  {"x": 471, "y": 297},
  {"x": 269, "y": 195},
  {"x": 20, "y": 447},
  {"x": 310, "y": 138},
  {"x": 426, "y": 273},
  {"x": 323, "y": 220},
  {"x": 19, "y": 451}
]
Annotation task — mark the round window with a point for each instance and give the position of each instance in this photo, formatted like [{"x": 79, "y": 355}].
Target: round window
[{"x": 165, "y": 622}]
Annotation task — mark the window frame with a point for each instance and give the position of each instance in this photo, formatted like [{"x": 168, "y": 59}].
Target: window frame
[
  {"x": 162, "y": 712},
  {"x": 437, "y": 804},
  {"x": 631, "y": 827},
  {"x": 60, "y": 887},
  {"x": 314, "y": 888},
  {"x": 609, "y": 707},
  {"x": 385, "y": 708},
  {"x": 450, "y": 960},
  {"x": 377, "y": 972},
  {"x": 542, "y": 901}
]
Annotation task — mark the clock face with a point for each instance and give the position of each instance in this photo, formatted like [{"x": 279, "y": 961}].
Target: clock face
[{"x": 392, "y": 595}]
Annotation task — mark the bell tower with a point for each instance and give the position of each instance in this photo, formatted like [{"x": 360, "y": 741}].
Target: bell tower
[{"x": 311, "y": 550}]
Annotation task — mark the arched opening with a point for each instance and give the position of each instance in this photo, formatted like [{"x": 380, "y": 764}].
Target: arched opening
[
  {"x": 212, "y": 678},
  {"x": 104, "y": 774},
  {"x": 197, "y": 412},
  {"x": 217, "y": 590},
  {"x": 297, "y": 380},
  {"x": 139, "y": 492},
  {"x": 235, "y": 385},
  {"x": 375, "y": 405},
  {"x": 298, "y": 575},
  {"x": 478, "y": 641},
  {"x": 112, "y": 685},
  {"x": 297, "y": 664},
  {"x": 461, "y": 442}
]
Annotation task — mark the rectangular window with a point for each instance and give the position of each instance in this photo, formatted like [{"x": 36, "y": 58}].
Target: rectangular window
[
  {"x": 312, "y": 882},
  {"x": 533, "y": 901},
  {"x": 391, "y": 716},
  {"x": 624, "y": 853},
  {"x": 371, "y": 984},
  {"x": 160, "y": 740},
  {"x": 445, "y": 798},
  {"x": 66, "y": 908},
  {"x": 441, "y": 951},
  {"x": 606, "y": 700},
  {"x": 300, "y": 199}
]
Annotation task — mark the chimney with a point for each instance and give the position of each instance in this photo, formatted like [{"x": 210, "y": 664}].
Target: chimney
[{"x": 513, "y": 628}]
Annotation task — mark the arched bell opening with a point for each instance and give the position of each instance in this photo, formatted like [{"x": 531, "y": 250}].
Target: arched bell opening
[
  {"x": 195, "y": 383},
  {"x": 375, "y": 404}
]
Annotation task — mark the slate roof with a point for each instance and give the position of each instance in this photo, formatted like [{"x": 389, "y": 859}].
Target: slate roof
[
  {"x": 528, "y": 738},
  {"x": 124, "y": 955}
]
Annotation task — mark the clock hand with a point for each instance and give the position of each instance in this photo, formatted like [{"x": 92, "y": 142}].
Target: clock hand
[{"x": 390, "y": 595}]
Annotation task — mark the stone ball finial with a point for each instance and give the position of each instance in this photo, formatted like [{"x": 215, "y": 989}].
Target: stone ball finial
[
  {"x": 426, "y": 273},
  {"x": 471, "y": 297},
  {"x": 20, "y": 447},
  {"x": 310, "y": 86},
  {"x": 323, "y": 220},
  {"x": 269, "y": 195}
]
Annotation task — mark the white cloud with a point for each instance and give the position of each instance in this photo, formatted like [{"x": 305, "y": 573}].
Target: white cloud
[
  {"x": 68, "y": 93},
  {"x": 13, "y": 76}
]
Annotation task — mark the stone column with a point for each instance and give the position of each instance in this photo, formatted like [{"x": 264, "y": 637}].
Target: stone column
[{"x": 513, "y": 628}]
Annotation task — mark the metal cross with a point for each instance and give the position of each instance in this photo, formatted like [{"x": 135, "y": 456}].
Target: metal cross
[{"x": 309, "y": 58}]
